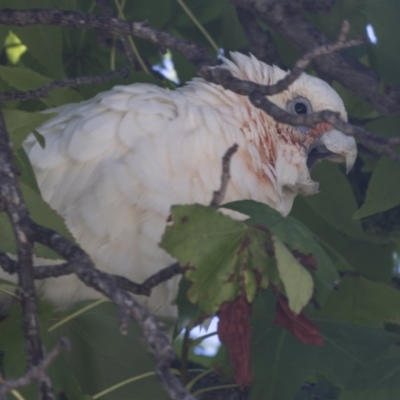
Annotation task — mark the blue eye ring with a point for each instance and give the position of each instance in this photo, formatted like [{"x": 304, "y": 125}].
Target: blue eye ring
[{"x": 299, "y": 106}]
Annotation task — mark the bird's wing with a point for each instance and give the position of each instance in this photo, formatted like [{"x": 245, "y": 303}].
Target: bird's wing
[{"x": 113, "y": 165}]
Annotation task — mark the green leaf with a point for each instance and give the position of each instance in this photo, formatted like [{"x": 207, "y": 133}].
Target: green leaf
[
  {"x": 336, "y": 202},
  {"x": 383, "y": 190},
  {"x": 45, "y": 44},
  {"x": 383, "y": 17},
  {"x": 374, "y": 260},
  {"x": 281, "y": 364},
  {"x": 347, "y": 348},
  {"x": 21, "y": 123},
  {"x": 40, "y": 138},
  {"x": 378, "y": 380},
  {"x": 232, "y": 35},
  {"x": 296, "y": 236},
  {"x": 14, "y": 358},
  {"x": 363, "y": 302},
  {"x": 297, "y": 281},
  {"x": 187, "y": 312},
  {"x": 22, "y": 78},
  {"x": 26, "y": 79},
  {"x": 217, "y": 250},
  {"x": 204, "y": 12},
  {"x": 27, "y": 175},
  {"x": 43, "y": 214},
  {"x": 14, "y": 47},
  {"x": 385, "y": 126},
  {"x": 355, "y": 106},
  {"x": 101, "y": 357},
  {"x": 7, "y": 241}
]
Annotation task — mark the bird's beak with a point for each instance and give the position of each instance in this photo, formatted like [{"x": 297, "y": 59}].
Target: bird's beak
[{"x": 334, "y": 146}]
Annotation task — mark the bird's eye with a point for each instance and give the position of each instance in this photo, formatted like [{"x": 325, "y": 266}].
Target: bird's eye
[
  {"x": 299, "y": 105},
  {"x": 300, "y": 108}
]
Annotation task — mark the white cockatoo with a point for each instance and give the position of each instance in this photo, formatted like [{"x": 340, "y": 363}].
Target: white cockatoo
[{"x": 113, "y": 165}]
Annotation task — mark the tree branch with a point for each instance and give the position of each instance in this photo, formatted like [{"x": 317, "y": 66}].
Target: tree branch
[
  {"x": 27, "y": 231},
  {"x": 219, "y": 195},
  {"x": 197, "y": 55},
  {"x": 71, "y": 19},
  {"x": 257, "y": 95},
  {"x": 53, "y": 271},
  {"x": 69, "y": 82},
  {"x": 34, "y": 373},
  {"x": 128, "y": 307},
  {"x": 18, "y": 214},
  {"x": 223, "y": 77},
  {"x": 287, "y": 22}
]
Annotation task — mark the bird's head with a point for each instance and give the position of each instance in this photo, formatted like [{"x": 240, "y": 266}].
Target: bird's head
[{"x": 283, "y": 155}]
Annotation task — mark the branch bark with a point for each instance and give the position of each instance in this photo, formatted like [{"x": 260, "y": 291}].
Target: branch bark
[
  {"x": 14, "y": 206},
  {"x": 287, "y": 22},
  {"x": 44, "y": 90},
  {"x": 26, "y": 233},
  {"x": 34, "y": 373},
  {"x": 71, "y": 19}
]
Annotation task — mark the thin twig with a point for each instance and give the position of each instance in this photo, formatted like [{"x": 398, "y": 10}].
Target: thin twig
[
  {"x": 27, "y": 232},
  {"x": 219, "y": 195},
  {"x": 44, "y": 90},
  {"x": 223, "y": 77},
  {"x": 198, "y": 56},
  {"x": 53, "y": 271},
  {"x": 257, "y": 95},
  {"x": 34, "y": 373},
  {"x": 286, "y": 18},
  {"x": 151, "y": 282}
]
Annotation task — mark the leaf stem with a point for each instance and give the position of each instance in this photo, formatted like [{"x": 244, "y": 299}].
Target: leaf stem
[
  {"x": 198, "y": 340},
  {"x": 112, "y": 55},
  {"x": 77, "y": 313},
  {"x": 209, "y": 389},
  {"x": 185, "y": 356},
  {"x": 127, "y": 381},
  {"x": 120, "y": 8},
  {"x": 199, "y": 25},
  {"x": 83, "y": 33},
  {"x": 17, "y": 395},
  {"x": 196, "y": 378},
  {"x": 123, "y": 383},
  {"x": 16, "y": 297}
]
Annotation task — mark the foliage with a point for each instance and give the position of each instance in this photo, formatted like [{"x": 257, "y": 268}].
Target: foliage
[{"x": 349, "y": 232}]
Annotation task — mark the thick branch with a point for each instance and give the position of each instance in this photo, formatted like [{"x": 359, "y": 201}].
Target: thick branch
[
  {"x": 71, "y": 19},
  {"x": 127, "y": 305},
  {"x": 223, "y": 77},
  {"x": 280, "y": 16},
  {"x": 197, "y": 55},
  {"x": 18, "y": 214},
  {"x": 257, "y": 95}
]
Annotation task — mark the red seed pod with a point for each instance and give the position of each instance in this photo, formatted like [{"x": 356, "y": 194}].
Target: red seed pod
[
  {"x": 235, "y": 332},
  {"x": 300, "y": 325}
]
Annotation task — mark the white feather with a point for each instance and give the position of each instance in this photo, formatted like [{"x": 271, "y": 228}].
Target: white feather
[{"x": 114, "y": 165}]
